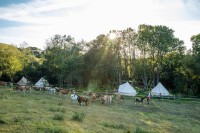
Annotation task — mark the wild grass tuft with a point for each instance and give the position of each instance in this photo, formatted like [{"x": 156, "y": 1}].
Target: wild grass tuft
[
  {"x": 58, "y": 116},
  {"x": 115, "y": 126},
  {"x": 57, "y": 110},
  {"x": 139, "y": 130},
  {"x": 60, "y": 103},
  {"x": 52, "y": 130},
  {"x": 78, "y": 116},
  {"x": 16, "y": 119}
]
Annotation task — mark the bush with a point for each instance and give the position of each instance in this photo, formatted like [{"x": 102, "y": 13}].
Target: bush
[
  {"x": 78, "y": 116},
  {"x": 59, "y": 117}
]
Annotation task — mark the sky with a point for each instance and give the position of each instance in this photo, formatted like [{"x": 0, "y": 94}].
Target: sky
[{"x": 35, "y": 21}]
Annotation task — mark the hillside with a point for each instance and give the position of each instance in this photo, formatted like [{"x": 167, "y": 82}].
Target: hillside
[{"x": 46, "y": 113}]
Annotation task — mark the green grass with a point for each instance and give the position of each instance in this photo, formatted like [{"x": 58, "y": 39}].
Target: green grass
[
  {"x": 45, "y": 113},
  {"x": 78, "y": 116}
]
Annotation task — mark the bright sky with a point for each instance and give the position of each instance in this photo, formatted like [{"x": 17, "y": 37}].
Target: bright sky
[{"x": 34, "y": 21}]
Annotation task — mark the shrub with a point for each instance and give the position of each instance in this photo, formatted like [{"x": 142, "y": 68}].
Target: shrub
[
  {"x": 78, "y": 116},
  {"x": 59, "y": 117}
]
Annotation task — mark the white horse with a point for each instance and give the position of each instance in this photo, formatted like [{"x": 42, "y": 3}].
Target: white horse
[
  {"x": 74, "y": 97},
  {"x": 52, "y": 90}
]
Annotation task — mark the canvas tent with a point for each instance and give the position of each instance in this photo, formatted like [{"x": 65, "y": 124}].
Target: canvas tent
[
  {"x": 42, "y": 83},
  {"x": 159, "y": 89},
  {"x": 127, "y": 90},
  {"x": 23, "y": 81}
]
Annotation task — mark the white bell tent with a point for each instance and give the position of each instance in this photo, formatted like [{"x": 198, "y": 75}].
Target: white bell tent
[
  {"x": 23, "y": 81},
  {"x": 159, "y": 89},
  {"x": 42, "y": 83},
  {"x": 127, "y": 90}
]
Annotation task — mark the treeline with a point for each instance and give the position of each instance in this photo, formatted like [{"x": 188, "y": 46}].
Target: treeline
[{"x": 143, "y": 57}]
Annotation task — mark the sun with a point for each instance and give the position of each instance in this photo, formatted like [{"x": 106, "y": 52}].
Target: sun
[{"x": 112, "y": 36}]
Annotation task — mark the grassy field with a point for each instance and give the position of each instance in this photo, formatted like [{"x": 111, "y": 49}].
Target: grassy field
[{"x": 46, "y": 113}]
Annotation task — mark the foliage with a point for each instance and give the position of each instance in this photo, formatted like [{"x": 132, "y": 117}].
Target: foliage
[
  {"x": 78, "y": 116},
  {"x": 115, "y": 126},
  {"x": 10, "y": 60},
  {"x": 144, "y": 57},
  {"x": 58, "y": 116}
]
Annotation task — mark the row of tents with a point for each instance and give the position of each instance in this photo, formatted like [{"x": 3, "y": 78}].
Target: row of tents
[
  {"x": 127, "y": 90},
  {"x": 40, "y": 83},
  {"x": 124, "y": 89}
]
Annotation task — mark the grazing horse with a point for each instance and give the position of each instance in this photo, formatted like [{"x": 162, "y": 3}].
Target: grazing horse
[
  {"x": 74, "y": 97},
  {"x": 3, "y": 83},
  {"x": 107, "y": 99},
  {"x": 63, "y": 92},
  {"x": 52, "y": 90},
  {"x": 119, "y": 97},
  {"x": 139, "y": 100},
  {"x": 41, "y": 89},
  {"x": 23, "y": 88},
  {"x": 94, "y": 96},
  {"x": 82, "y": 99}
]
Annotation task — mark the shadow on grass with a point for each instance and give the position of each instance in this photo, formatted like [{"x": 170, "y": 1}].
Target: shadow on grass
[{"x": 2, "y": 122}]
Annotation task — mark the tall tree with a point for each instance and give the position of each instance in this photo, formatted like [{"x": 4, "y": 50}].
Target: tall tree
[
  {"x": 10, "y": 62},
  {"x": 62, "y": 59}
]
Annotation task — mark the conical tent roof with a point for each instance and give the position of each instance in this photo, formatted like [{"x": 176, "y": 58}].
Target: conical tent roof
[
  {"x": 159, "y": 88},
  {"x": 42, "y": 83},
  {"x": 126, "y": 89},
  {"x": 23, "y": 81}
]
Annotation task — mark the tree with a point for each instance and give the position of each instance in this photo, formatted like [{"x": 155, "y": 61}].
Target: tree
[
  {"x": 62, "y": 59},
  {"x": 10, "y": 60},
  {"x": 156, "y": 42}
]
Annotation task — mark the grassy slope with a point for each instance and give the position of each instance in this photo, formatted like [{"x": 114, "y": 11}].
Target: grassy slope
[{"x": 46, "y": 113}]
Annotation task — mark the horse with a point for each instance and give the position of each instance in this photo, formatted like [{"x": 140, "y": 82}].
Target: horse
[
  {"x": 41, "y": 89},
  {"x": 3, "y": 83},
  {"x": 139, "y": 100},
  {"x": 63, "y": 92},
  {"x": 107, "y": 99},
  {"x": 52, "y": 90},
  {"x": 74, "y": 97},
  {"x": 82, "y": 99},
  {"x": 23, "y": 88},
  {"x": 119, "y": 97},
  {"x": 94, "y": 96}
]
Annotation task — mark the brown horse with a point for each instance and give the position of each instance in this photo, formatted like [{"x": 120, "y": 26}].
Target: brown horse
[
  {"x": 63, "y": 92},
  {"x": 23, "y": 88},
  {"x": 82, "y": 99}
]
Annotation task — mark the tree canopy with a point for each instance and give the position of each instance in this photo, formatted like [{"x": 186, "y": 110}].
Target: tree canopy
[{"x": 143, "y": 57}]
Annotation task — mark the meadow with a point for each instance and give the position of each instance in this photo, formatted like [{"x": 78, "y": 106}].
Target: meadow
[{"x": 46, "y": 113}]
